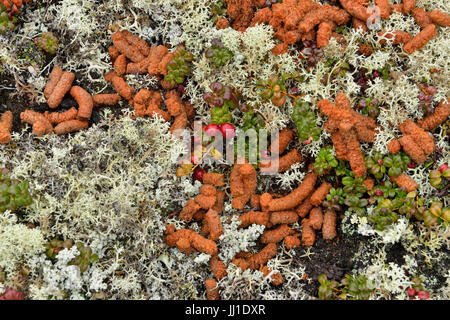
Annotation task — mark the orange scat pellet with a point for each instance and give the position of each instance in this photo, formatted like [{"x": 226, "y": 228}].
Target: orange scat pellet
[
  {"x": 58, "y": 117},
  {"x": 275, "y": 278},
  {"x": 189, "y": 210},
  {"x": 421, "y": 39},
  {"x": 243, "y": 180},
  {"x": 408, "y": 5},
  {"x": 432, "y": 121},
  {"x": 291, "y": 242},
  {"x": 214, "y": 224},
  {"x": 329, "y": 225},
  {"x": 284, "y": 137},
  {"x": 6, "y": 121},
  {"x": 259, "y": 259},
  {"x": 61, "y": 88},
  {"x": 355, "y": 9},
  {"x": 304, "y": 208},
  {"x": 216, "y": 179},
  {"x": 124, "y": 47},
  {"x": 316, "y": 218},
  {"x": 53, "y": 80},
  {"x": 85, "y": 102},
  {"x": 295, "y": 197},
  {"x": 320, "y": 193},
  {"x": 412, "y": 149},
  {"x": 122, "y": 87},
  {"x": 254, "y": 217},
  {"x": 394, "y": 146},
  {"x": 39, "y": 122},
  {"x": 156, "y": 55},
  {"x": 107, "y": 99},
  {"x": 421, "y": 17},
  {"x": 217, "y": 267},
  {"x": 440, "y": 18},
  {"x": 385, "y": 8},
  {"x": 405, "y": 181},
  {"x": 308, "y": 233},
  {"x": 422, "y": 138},
  {"x": 219, "y": 204},
  {"x": 120, "y": 65},
  {"x": 283, "y": 217},
  {"x": 212, "y": 291},
  {"x": 71, "y": 126},
  {"x": 276, "y": 235},
  {"x": 113, "y": 53}
]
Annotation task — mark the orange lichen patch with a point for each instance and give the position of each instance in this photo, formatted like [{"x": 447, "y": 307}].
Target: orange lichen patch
[
  {"x": 294, "y": 198},
  {"x": 408, "y": 5},
  {"x": 220, "y": 198},
  {"x": 107, "y": 99},
  {"x": 71, "y": 126},
  {"x": 308, "y": 233},
  {"x": 315, "y": 218},
  {"x": 122, "y": 87},
  {"x": 6, "y": 121},
  {"x": 405, "y": 181},
  {"x": 284, "y": 137},
  {"x": 421, "y": 17},
  {"x": 283, "y": 217},
  {"x": 58, "y": 117},
  {"x": 319, "y": 195},
  {"x": 218, "y": 267},
  {"x": 397, "y": 36},
  {"x": 259, "y": 259},
  {"x": 394, "y": 146},
  {"x": 120, "y": 65},
  {"x": 212, "y": 291},
  {"x": 215, "y": 226},
  {"x": 275, "y": 278},
  {"x": 216, "y": 179},
  {"x": 254, "y": 217},
  {"x": 276, "y": 235},
  {"x": 85, "y": 102},
  {"x": 423, "y": 139},
  {"x": 130, "y": 50},
  {"x": 243, "y": 182},
  {"x": 53, "y": 80},
  {"x": 60, "y": 89},
  {"x": 355, "y": 9},
  {"x": 440, "y": 114},
  {"x": 222, "y": 23},
  {"x": 304, "y": 208},
  {"x": 291, "y": 242},
  {"x": 39, "y": 122},
  {"x": 421, "y": 39},
  {"x": 369, "y": 183},
  {"x": 189, "y": 210},
  {"x": 440, "y": 18},
  {"x": 385, "y": 8},
  {"x": 329, "y": 225},
  {"x": 412, "y": 149}
]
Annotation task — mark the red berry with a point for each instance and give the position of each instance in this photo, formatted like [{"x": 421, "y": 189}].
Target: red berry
[
  {"x": 443, "y": 167},
  {"x": 212, "y": 130},
  {"x": 411, "y": 292},
  {"x": 376, "y": 73},
  {"x": 411, "y": 165},
  {"x": 423, "y": 295},
  {"x": 198, "y": 173},
  {"x": 228, "y": 130},
  {"x": 378, "y": 192}
]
